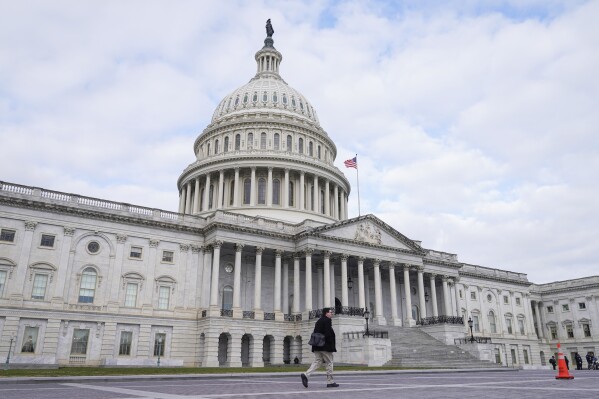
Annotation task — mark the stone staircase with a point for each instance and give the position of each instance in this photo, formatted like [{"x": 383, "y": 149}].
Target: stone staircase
[{"x": 412, "y": 347}]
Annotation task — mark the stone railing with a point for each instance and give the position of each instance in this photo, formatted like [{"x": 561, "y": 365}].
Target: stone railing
[
  {"x": 428, "y": 321},
  {"x": 472, "y": 340},
  {"x": 349, "y": 311},
  {"x": 248, "y": 314},
  {"x": 292, "y": 317},
  {"x": 226, "y": 312},
  {"x": 269, "y": 316},
  {"x": 363, "y": 334}
]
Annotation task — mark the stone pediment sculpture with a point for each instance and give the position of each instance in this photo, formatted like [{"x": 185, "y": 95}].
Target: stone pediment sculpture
[{"x": 369, "y": 233}]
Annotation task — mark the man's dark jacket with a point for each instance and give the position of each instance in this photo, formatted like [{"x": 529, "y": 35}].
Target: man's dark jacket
[{"x": 324, "y": 325}]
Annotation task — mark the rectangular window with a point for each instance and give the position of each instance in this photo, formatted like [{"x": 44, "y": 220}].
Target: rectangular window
[
  {"x": 7, "y": 235},
  {"x": 514, "y": 357},
  {"x": 29, "y": 339},
  {"x": 136, "y": 252},
  {"x": 131, "y": 295},
  {"x": 549, "y": 309},
  {"x": 475, "y": 324},
  {"x": 587, "y": 330},
  {"x": 518, "y": 301},
  {"x": 582, "y": 305},
  {"x": 87, "y": 291},
  {"x": 168, "y": 256},
  {"x": 461, "y": 294},
  {"x": 565, "y": 308},
  {"x": 47, "y": 241},
  {"x": 553, "y": 330},
  {"x": 79, "y": 344},
  {"x": 506, "y": 300},
  {"x": 570, "y": 331},
  {"x": 163, "y": 297},
  {"x": 125, "y": 344},
  {"x": 159, "y": 342},
  {"x": 473, "y": 295},
  {"x": 521, "y": 326},
  {"x": 39, "y": 286},
  {"x": 508, "y": 323},
  {"x": 497, "y": 356},
  {"x": 2, "y": 281},
  {"x": 525, "y": 354}
]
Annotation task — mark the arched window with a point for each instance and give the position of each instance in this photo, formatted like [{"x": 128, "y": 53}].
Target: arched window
[
  {"x": 492, "y": 322},
  {"x": 263, "y": 141},
  {"x": 210, "y": 195},
  {"x": 226, "y": 146},
  {"x": 231, "y": 192},
  {"x": 312, "y": 198},
  {"x": 208, "y": 149},
  {"x": 87, "y": 289},
  {"x": 276, "y": 141},
  {"x": 301, "y": 146},
  {"x": 255, "y": 97},
  {"x": 227, "y": 303},
  {"x": 276, "y": 192},
  {"x": 319, "y": 154},
  {"x": 275, "y": 99},
  {"x": 237, "y": 142},
  {"x": 247, "y": 188},
  {"x": 310, "y": 149},
  {"x": 291, "y": 192},
  {"x": 261, "y": 191},
  {"x": 289, "y": 143},
  {"x": 245, "y": 98},
  {"x": 250, "y": 143},
  {"x": 284, "y": 98},
  {"x": 216, "y": 146}
]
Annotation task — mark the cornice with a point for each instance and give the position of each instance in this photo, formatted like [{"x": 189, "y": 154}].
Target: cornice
[
  {"x": 354, "y": 243},
  {"x": 578, "y": 289},
  {"x": 494, "y": 278},
  {"x": 428, "y": 261}
]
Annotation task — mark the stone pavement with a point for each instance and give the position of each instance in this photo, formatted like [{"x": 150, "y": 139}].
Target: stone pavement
[{"x": 363, "y": 385}]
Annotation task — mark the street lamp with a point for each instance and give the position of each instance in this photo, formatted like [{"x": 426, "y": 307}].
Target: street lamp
[
  {"x": 470, "y": 323},
  {"x": 350, "y": 283},
  {"x": 8, "y": 356},
  {"x": 159, "y": 350},
  {"x": 367, "y": 316},
  {"x": 426, "y": 296}
]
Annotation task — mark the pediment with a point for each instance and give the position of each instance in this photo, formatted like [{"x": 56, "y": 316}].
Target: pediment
[{"x": 368, "y": 230}]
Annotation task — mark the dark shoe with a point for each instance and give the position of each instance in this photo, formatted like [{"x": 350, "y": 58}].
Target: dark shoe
[
  {"x": 333, "y": 385},
  {"x": 304, "y": 380}
]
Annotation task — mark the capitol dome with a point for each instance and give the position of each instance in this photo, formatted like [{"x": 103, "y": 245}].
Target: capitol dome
[{"x": 264, "y": 153}]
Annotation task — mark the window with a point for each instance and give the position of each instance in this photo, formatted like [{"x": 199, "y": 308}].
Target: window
[
  {"x": 245, "y": 98},
  {"x": 263, "y": 141},
  {"x": 7, "y": 235},
  {"x": 131, "y": 295},
  {"x": 319, "y": 153},
  {"x": 93, "y": 247},
  {"x": 586, "y": 329},
  {"x": 163, "y": 297},
  {"x": 570, "y": 330},
  {"x": 276, "y": 192},
  {"x": 492, "y": 322},
  {"x": 237, "y": 142},
  {"x": 87, "y": 289},
  {"x": 293, "y": 101},
  {"x": 277, "y": 141},
  {"x": 521, "y": 326},
  {"x": 136, "y": 252},
  {"x": 227, "y": 298},
  {"x": 159, "y": 343},
  {"x": 47, "y": 241},
  {"x": 255, "y": 97},
  {"x": 40, "y": 281},
  {"x": 2, "y": 281},
  {"x": 518, "y": 301},
  {"x": 168, "y": 256},
  {"x": 231, "y": 192},
  {"x": 489, "y": 297},
  {"x": 216, "y": 146},
  {"x": 262, "y": 191},
  {"x": 284, "y": 98},
  {"x": 549, "y": 309},
  {"x": 508, "y": 323},
  {"x": 473, "y": 295},
  {"x": 80, "y": 339},
  {"x": 553, "y": 330},
  {"x": 265, "y": 94},
  {"x": 525, "y": 354},
  {"x": 475, "y": 323},
  {"x": 208, "y": 149},
  {"x": 289, "y": 143},
  {"x": 321, "y": 203},
  {"x": 300, "y": 145},
  {"x": 514, "y": 357},
  {"x": 310, "y": 149},
  {"x": 29, "y": 339},
  {"x": 461, "y": 296},
  {"x": 250, "y": 143},
  {"x": 582, "y": 306},
  {"x": 506, "y": 300},
  {"x": 247, "y": 189},
  {"x": 291, "y": 191},
  {"x": 211, "y": 196},
  {"x": 125, "y": 344},
  {"x": 275, "y": 98},
  {"x": 565, "y": 308}
]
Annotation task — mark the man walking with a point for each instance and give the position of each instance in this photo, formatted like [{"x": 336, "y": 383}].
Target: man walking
[{"x": 323, "y": 354}]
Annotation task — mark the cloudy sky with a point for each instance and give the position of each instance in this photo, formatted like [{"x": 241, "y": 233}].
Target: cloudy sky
[{"x": 476, "y": 124}]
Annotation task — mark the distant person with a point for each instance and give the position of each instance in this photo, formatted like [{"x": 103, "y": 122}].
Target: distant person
[
  {"x": 589, "y": 358},
  {"x": 553, "y": 362},
  {"x": 567, "y": 362},
  {"x": 578, "y": 359},
  {"x": 323, "y": 354}
]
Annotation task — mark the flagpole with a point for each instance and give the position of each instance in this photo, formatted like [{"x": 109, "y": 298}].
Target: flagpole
[{"x": 358, "y": 180}]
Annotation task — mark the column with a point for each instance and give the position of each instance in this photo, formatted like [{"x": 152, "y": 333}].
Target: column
[
  {"x": 434, "y": 295},
  {"x": 336, "y": 202},
  {"x": 269, "y": 187},
  {"x": 253, "y": 187},
  {"x": 456, "y": 297},
  {"x": 188, "y": 198},
  {"x": 327, "y": 279},
  {"x": 361, "y": 295},
  {"x": 236, "y": 194},
  {"x": 65, "y": 251},
  {"x": 150, "y": 276},
  {"x": 285, "y": 189},
  {"x": 446, "y": 309},
  {"x": 206, "y": 277},
  {"x": 296, "y": 284},
  {"x": 277, "y": 293},
  {"x": 333, "y": 284},
  {"x": 327, "y": 199},
  {"x": 344, "y": 293},
  {"x": 530, "y": 324},
  {"x": 182, "y": 200},
  {"x": 285, "y": 305},
  {"x": 237, "y": 310},
  {"x": 308, "y": 299},
  {"x": 393, "y": 290},
  {"x": 408, "y": 291},
  {"x": 316, "y": 198},
  {"x": 258, "y": 281},
  {"x": 214, "y": 309},
  {"x": 301, "y": 192},
  {"x": 540, "y": 330},
  {"x": 221, "y": 189},
  {"x": 421, "y": 297},
  {"x": 196, "y": 196},
  {"x": 206, "y": 193},
  {"x": 378, "y": 293}
]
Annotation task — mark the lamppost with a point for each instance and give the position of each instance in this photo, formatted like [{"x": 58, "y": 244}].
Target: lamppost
[
  {"x": 8, "y": 355},
  {"x": 367, "y": 316},
  {"x": 350, "y": 283},
  {"x": 470, "y": 323},
  {"x": 159, "y": 350}
]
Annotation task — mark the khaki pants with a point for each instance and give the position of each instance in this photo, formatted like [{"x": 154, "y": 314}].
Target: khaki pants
[{"x": 319, "y": 359}]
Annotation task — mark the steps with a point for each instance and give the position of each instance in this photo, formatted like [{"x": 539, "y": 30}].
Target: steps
[{"x": 412, "y": 347}]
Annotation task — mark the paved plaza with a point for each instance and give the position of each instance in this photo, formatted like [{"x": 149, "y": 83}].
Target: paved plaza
[{"x": 363, "y": 385}]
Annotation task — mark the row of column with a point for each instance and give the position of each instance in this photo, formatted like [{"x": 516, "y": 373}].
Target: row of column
[
  {"x": 189, "y": 199},
  {"x": 282, "y": 275}
]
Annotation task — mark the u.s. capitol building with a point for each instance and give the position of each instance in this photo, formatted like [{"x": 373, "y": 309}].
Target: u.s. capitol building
[{"x": 261, "y": 241}]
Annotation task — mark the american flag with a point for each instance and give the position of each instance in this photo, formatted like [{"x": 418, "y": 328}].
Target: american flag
[{"x": 352, "y": 163}]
